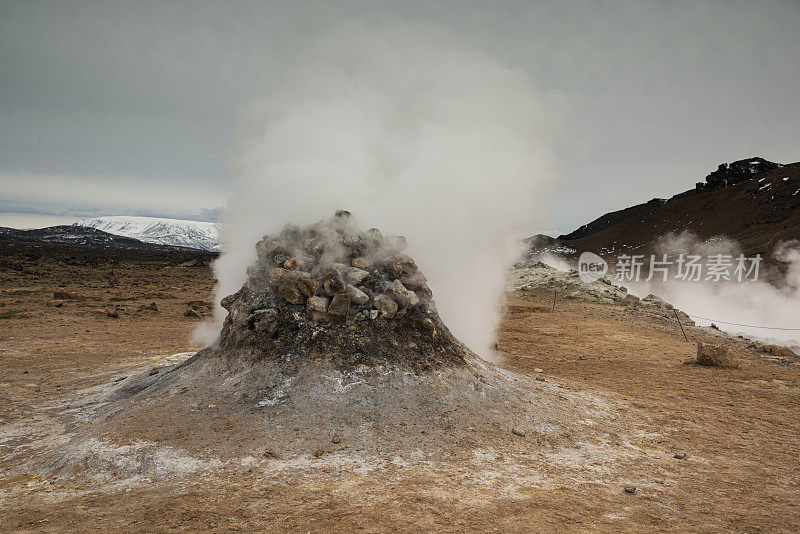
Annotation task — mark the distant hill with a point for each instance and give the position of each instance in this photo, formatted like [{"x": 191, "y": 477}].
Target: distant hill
[
  {"x": 753, "y": 201},
  {"x": 77, "y": 238},
  {"x": 175, "y": 232}
]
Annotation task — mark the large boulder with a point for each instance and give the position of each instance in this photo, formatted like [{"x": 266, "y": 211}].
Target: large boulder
[{"x": 712, "y": 355}]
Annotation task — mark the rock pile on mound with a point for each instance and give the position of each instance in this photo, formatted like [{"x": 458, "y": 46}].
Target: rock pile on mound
[
  {"x": 332, "y": 345},
  {"x": 328, "y": 289}
]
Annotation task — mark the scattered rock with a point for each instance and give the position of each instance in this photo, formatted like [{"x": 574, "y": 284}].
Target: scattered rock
[
  {"x": 307, "y": 286},
  {"x": 356, "y": 276},
  {"x": 357, "y": 296},
  {"x": 191, "y": 312},
  {"x": 583, "y": 356},
  {"x": 336, "y": 439},
  {"x": 714, "y": 356},
  {"x": 333, "y": 283},
  {"x": 317, "y": 308},
  {"x": 150, "y": 307},
  {"x": 340, "y": 305},
  {"x": 680, "y": 455},
  {"x": 271, "y": 454},
  {"x": 385, "y": 305},
  {"x": 629, "y": 489},
  {"x": 63, "y": 295},
  {"x": 153, "y": 371},
  {"x": 263, "y": 320},
  {"x": 402, "y": 296},
  {"x": 290, "y": 292},
  {"x": 114, "y": 314},
  {"x": 54, "y": 303},
  {"x": 518, "y": 432},
  {"x": 778, "y": 350}
]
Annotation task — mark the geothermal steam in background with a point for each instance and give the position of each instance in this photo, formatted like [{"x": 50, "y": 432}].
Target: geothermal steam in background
[{"x": 415, "y": 134}]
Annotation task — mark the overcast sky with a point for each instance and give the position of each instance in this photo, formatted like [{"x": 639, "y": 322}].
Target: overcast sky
[{"x": 130, "y": 107}]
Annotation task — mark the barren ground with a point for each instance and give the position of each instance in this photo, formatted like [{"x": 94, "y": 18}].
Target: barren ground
[{"x": 737, "y": 427}]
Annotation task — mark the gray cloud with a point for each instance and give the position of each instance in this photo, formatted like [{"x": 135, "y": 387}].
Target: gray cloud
[{"x": 654, "y": 94}]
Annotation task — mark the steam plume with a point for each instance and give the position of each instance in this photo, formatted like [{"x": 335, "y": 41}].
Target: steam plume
[{"x": 414, "y": 133}]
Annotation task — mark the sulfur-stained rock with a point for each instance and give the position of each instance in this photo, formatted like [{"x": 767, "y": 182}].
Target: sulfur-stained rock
[{"x": 360, "y": 263}]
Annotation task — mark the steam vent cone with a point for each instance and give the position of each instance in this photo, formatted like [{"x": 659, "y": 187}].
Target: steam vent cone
[{"x": 333, "y": 344}]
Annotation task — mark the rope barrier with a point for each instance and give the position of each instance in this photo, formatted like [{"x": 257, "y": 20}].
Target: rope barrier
[{"x": 739, "y": 324}]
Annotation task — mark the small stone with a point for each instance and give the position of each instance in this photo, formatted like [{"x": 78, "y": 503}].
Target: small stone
[
  {"x": 429, "y": 327},
  {"x": 385, "y": 305},
  {"x": 401, "y": 295},
  {"x": 153, "y": 371},
  {"x": 55, "y": 303},
  {"x": 537, "y": 370},
  {"x": 401, "y": 265},
  {"x": 270, "y": 454},
  {"x": 63, "y": 295},
  {"x": 291, "y": 264},
  {"x": 336, "y": 439},
  {"x": 333, "y": 283},
  {"x": 373, "y": 314},
  {"x": 680, "y": 455},
  {"x": 114, "y": 314},
  {"x": 263, "y": 320},
  {"x": 290, "y": 293},
  {"x": 307, "y": 286},
  {"x": 518, "y": 432},
  {"x": 191, "y": 312},
  {"x": 629, "y": 489},
  {"x": 357, "y": 296},
  {"x": 374, "y": 234},
  {"x": 340, "y": 305},
  {"x": 318, "y": 453},
  {"x": 152, "y": 307},
  {"x": 356, "y": 276},
  {"x": 360, "y": 263},
  {"x": 317, "y": 308},
  {"x": 278, "y": 276},
  {"x": 583, "y": 356},
  {"x": 414, "y": 281}
]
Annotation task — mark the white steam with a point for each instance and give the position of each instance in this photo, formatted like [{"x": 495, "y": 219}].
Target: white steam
[
  {"x": 771, "y": 301},
  {"x": 415, "y": 134}
]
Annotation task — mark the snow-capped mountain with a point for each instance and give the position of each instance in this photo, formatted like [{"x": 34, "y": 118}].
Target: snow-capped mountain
[{"x": 194, "y": 234}]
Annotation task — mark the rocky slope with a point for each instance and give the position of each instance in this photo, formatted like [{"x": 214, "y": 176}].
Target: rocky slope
[{"x": 753, "y": 201}]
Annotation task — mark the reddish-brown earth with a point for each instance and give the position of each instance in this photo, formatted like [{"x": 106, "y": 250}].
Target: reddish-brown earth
[{"x": 737, "y": 427}]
